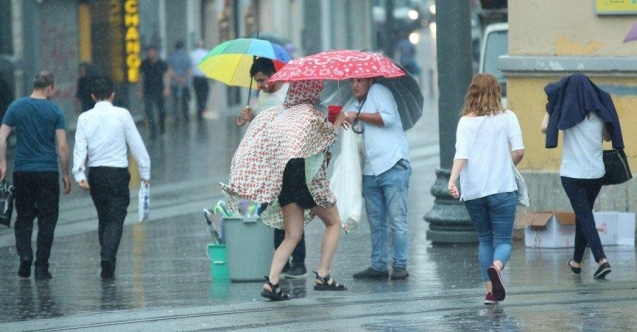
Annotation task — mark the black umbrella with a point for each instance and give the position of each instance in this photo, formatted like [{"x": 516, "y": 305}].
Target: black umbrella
[{"x": 406, "y": 91}]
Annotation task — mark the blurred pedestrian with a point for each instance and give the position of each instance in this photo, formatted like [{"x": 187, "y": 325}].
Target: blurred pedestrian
[
  {"x": 104, "y": 136},
  {"x": 180, "y": 70},
  {"x": 386, "y": 173},
  {"x": 40, "y": 129},
  {"x": 488, "y": 144},
  {"x": 289, "y": 158},
  {"x": 6, "y": 96},
  {"x": 199, "y": 80},
  {"x": 586, "y": 115},
  {"x": 271, "y": 95},
  {"x": 153, "y": 88},
  {"x": 83, "y": 93},
  {"x": 407, "y": 55}
]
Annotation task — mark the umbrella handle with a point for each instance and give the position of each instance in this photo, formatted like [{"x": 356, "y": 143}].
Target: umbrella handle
[{"x": 356, "y": 121}]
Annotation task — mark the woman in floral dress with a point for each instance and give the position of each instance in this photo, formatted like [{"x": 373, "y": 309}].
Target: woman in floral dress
[{"x": 282, "y": 161}]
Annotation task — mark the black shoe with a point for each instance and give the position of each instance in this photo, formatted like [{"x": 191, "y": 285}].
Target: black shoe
[
  {"x": 286, "y": 268},
  {"x": 371, "y": 274},
  {"x": 296, "y": 272},
  {"x": 25, "y": 269},
  {"x": 42, "y": 274},
  {"x": 603, "y": 270},
  {"x": 108, "y": 270},
  {"x": 575, "y": 270},
  {"x": 399, "y": 273}
]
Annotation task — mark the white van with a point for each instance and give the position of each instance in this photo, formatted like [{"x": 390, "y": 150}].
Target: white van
[{"x": 495, "y": 43}]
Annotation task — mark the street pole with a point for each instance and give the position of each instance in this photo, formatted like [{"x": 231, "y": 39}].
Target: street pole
[{"x": 449, "y": 222}]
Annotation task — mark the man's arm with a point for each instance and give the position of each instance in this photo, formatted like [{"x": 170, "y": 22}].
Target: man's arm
[
  {"x": 63, "y": 155},
  {"x": 4, "y": 134}
]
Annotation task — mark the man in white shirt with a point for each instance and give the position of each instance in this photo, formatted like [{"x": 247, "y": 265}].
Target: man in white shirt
[
  {"x": 270, "y": 94},
  {"x": 104, "y": 135},
  {"x": 199, "y": 80}
]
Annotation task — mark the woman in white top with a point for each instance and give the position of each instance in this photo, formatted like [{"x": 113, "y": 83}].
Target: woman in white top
[
  {"x": 582, "y": 169},
  {"x": 488, "y": 144}
]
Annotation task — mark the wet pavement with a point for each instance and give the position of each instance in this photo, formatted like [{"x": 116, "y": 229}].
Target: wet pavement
[{"x": 163, "y": 279}]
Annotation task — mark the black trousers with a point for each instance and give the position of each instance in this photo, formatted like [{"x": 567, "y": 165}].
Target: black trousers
[
  {"x": 298, "y": 255},
  {"x": 37, "y": 194},
  {"x": 111, "y": 196},
  {"x": 201, "y": 92}
]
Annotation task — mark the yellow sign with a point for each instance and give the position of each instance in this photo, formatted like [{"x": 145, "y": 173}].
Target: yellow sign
[
  {"x": 617, "y": 7},
  {"x": 132, "y": 40}
]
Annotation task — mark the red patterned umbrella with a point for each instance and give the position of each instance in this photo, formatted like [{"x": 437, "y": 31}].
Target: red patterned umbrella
[{"x": 338, "y": 65}]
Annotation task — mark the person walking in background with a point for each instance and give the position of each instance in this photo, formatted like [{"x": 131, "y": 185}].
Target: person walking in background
[
  {"x": 386, "y": 173},
  {"x": 271, "y": 95},
  {"x": 407, "y": 55},
  {"x": 83, "y": 94},
  {"x": 199, "y": 80},
  {"x": 40, "y": 128},
  {"x": 6, "y": 96},
  {"x": 104, "y": 136},
  {"x": 152, "y": 89},
  {"x": 586, "y": 115},
  {"x": 488, "y": 144},
  {"x": 290, "y": 158},
  {"x": 179, "y": 71}
]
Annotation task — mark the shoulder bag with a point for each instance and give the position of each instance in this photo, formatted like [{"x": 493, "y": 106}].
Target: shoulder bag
[{"x": 616, "y": 165}]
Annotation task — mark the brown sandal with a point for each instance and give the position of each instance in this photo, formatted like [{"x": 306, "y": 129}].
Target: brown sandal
[
  {"x": 275, "y": 293},
  {"x": 327, "y": 283}
]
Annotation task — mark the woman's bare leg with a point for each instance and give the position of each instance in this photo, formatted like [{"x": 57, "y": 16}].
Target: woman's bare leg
[
  {"x": 293, "y": 222},
  {"x": 332, "y": 222}
]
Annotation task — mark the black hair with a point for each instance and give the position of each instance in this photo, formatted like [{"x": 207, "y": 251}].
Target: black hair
[
  {"x": 101, "y": 87},
  {"x": 43, "y": 80},
  {"x": 264, "y": 65},
  {"x": 179, "y": 45}
]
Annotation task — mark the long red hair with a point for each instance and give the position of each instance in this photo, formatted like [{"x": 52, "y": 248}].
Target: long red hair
[{"x": 483, "y": 96}]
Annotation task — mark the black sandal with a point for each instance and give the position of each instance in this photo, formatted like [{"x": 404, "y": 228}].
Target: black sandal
[
  {"x": 273, "y": 294},
  {"x": 327, "y": 283}
]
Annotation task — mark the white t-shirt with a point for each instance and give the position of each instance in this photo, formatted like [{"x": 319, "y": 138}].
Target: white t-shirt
[
  {"x": 267, "y": 100},
  {"x": 486, "y": 143},
  {"x": 582, "y": 154}
]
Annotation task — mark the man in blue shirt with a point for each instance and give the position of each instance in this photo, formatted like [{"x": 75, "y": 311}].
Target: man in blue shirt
[
  {"x": 179, "y": 71},
  {"x": 386, "y": 172},
  {"x": 40, "y": 128}
]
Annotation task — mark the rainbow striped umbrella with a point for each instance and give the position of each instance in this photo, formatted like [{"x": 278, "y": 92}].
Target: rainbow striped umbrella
[{"x": 230, "y": 61}]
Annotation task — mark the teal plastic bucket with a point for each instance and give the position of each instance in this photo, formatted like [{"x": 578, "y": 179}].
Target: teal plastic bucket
[
  {"x": 218, "y": 256},
  {"x": 250, "y": 245}
]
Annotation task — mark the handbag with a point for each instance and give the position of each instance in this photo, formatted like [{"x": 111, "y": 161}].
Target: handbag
[
  {"x": 7, "y": 195},
  {"x": 522, "y": 192},
  {"x": 616, "y": 165}
]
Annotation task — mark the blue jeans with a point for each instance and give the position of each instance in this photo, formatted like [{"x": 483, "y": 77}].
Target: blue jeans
[
  {"x": 493, "y": 217},
  {"x": 386, "y": 200},
  {"x": 582, "y": 194}
]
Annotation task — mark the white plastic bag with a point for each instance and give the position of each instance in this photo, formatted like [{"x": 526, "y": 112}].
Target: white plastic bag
[
  {"x": 522, "y": 192},
  {"x": 347, "y": 180},
  {"x": 144, "y": 201}
]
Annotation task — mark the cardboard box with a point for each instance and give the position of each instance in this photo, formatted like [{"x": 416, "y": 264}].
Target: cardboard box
[
  {"x": 557, "y": 229},
  {"x": 548, "y": 229},
  {"x": 616, "y": 228}
]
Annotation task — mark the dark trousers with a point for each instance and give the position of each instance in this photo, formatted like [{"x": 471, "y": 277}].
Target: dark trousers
[
  {"x": 37, "y": 194},
  {"x": 111, "y": 196},
  {"x": 201, "y": 93},
  {"x": 582, "y": 194},
  {"x": 152, "y": 101},
  {"x": 298, "y": 255},
  {"x": 181, "y": 99}
]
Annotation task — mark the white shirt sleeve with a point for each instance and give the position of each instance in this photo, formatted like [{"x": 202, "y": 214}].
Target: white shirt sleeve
[
  {"x": 137, "y": 147},
  {"x": 80, "y": 151},
  {"x": 515, "y": 132},
  {"x": 461, "y": 141}
]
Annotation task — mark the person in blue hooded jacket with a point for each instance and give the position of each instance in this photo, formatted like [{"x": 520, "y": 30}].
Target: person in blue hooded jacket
[{"x": 586, "y": 115}]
